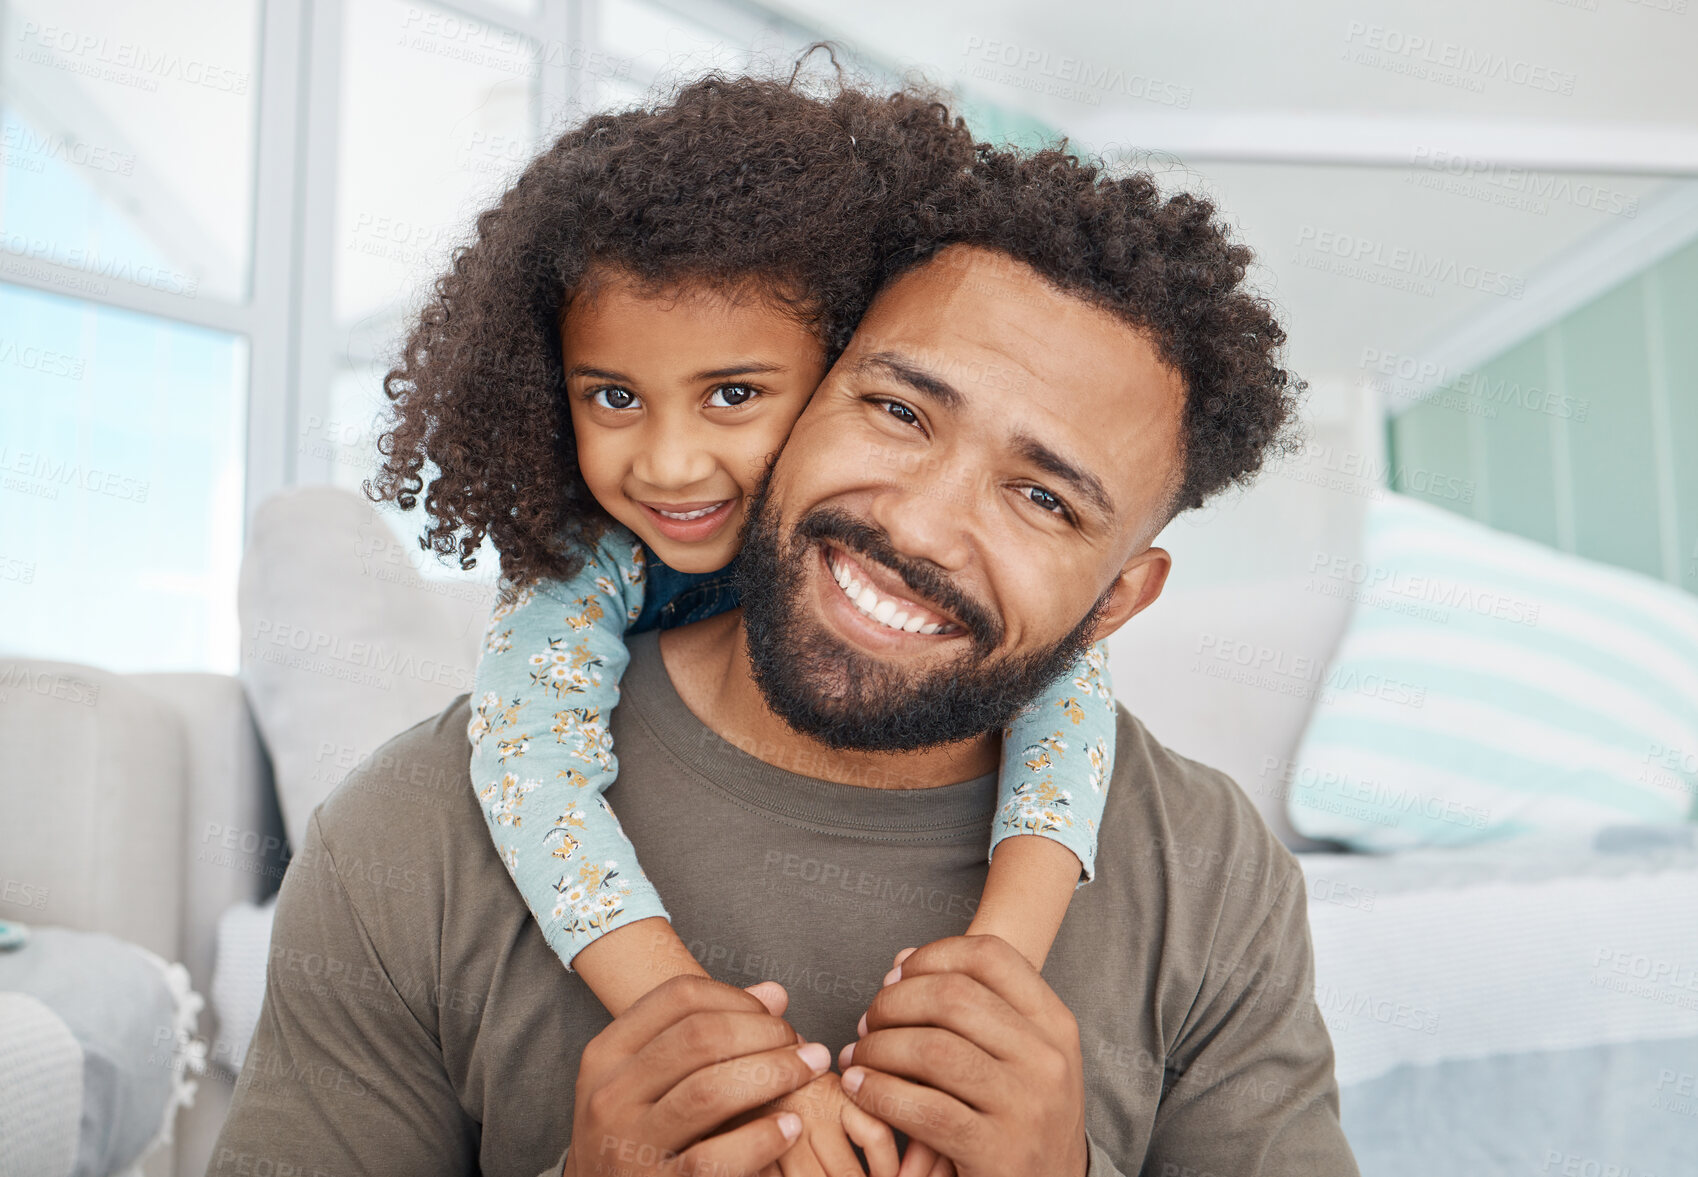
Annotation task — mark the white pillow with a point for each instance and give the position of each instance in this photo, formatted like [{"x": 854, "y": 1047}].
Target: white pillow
[
  {"x": 344, "y": 643},
  {"x": 238, "y": 980},
  {"x": 1489, "y": 686}
]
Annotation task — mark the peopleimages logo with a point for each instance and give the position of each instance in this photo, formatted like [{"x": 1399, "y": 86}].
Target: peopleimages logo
[
  {"x": 1069, "y": 77},
  {"x": 1472, "y": 176},
  {"x": 365, "y": 662},
  {"x": 1465, "y": 62},
  {"x": 93, "y": 262},
  {"x": 47, "y": 684},
  {"x": 1415, "y": 377},
  {"x": 107, "y": 59},
  {"x": 1414, "y": 263},
  {"x": 39, "y": 359},
  {"x": 1379, "y": 580},
  {"x": 33, "y": 472},
  {"x": 16, "y": 138},
  {"x": 459, "y": 38}
]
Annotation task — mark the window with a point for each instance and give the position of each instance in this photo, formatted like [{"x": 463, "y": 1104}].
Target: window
[
  {"x": 129, "y": 142},
  {"x": 121, "y": 473},
  {"x": 215, "y": 221},
  {"x": 126, "y": 216}
]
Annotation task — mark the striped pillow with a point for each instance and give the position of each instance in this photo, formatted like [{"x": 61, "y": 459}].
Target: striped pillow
[{"x": 1489, "y": 686}]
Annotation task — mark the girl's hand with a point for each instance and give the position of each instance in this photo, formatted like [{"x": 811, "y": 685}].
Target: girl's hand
[
  {"x": 829, "y": 1122},
  {"x": 823, "y": 1151},
  {"x": 921, "y": 1160}
]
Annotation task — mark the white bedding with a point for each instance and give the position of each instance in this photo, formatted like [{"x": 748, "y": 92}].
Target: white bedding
[
  {"x": 1529, "y": 1007},
  {"x": 1532, "y": 944}
]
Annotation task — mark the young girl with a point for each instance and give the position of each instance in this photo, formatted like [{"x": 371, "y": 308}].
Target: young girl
[{"x": 646, "y": 312}]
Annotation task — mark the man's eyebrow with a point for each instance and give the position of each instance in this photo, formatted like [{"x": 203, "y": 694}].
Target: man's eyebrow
[
  {"x": 1088, "y": 485},
  {"x": 903, "y": 370}
]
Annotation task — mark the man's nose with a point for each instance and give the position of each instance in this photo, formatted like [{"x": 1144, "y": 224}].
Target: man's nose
[{"x": 924, "y": 524}]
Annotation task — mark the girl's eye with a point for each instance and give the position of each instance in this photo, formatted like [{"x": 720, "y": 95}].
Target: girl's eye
[
  {"x": 613, "y": 398},
  {"x": 729, "y": 396},
  {"x": 1045, "y": 500}
]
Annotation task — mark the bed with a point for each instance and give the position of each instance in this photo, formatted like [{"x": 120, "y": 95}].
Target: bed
[{"x": 1523, "y": 1007}]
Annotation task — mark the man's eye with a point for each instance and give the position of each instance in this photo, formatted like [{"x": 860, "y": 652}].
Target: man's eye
[
  {"x": 729, "y": 396},
  {"x": 1045, "y": 500},
  {"x": 613, "y": 398},
  {"x": 901, "y": 412}
]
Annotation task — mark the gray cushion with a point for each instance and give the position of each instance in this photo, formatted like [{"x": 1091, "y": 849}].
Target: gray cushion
[
  {"x": 344, "y": 642},
  {"x": 91, "y": 818},
  {"x": 132, "y": 1019}
]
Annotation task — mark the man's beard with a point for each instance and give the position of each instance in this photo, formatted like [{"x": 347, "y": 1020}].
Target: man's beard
[{"x": 847, "y": 699}]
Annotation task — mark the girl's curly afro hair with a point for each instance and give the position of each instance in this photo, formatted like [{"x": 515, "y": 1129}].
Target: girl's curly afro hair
[
  {"x": 1166, "y": 266},
  {"x": 742, "y": 183}
]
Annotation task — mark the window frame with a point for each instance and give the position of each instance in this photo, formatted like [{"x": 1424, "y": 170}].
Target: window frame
[{"x": 296, "y": 346}]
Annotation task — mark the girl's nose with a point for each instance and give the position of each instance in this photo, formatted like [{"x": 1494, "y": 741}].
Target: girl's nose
[{"x": 674, "y": 464}]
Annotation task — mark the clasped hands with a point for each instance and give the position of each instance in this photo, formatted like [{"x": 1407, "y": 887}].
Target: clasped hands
[{"x": 966, "y": 1049}]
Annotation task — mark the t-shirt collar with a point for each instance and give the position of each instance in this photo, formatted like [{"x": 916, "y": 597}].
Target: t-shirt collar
[{"x": 943, "y": 813}]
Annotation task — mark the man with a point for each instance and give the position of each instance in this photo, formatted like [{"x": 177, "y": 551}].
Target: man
[{"x": 1026, "y": 404}]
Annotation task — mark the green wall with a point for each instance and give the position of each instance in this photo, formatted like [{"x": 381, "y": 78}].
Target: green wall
[
  {"x": 1583, "y": 436},
  {"x": 1006, "y": 126}
]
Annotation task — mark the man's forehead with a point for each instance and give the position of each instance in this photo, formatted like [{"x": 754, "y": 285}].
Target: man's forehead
[
  {"x": 970, "y": 297},
  {"x": 989, "y": 324},
  {"x": 963, "y": 285}
]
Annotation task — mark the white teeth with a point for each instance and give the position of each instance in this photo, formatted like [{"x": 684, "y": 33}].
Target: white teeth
[
  {"x": 880, "y": 609},
  {"x": 689, "y": 514}
]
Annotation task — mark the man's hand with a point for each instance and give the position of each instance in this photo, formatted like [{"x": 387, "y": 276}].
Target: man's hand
[
  {"x": 968, "y": 1049},
  {"x": 685, "y": 1058}
]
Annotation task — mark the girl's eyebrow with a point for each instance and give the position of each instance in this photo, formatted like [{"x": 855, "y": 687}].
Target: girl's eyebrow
[
  {"x": 749, "y": 368},
  {"x": 596, "y": 373}
]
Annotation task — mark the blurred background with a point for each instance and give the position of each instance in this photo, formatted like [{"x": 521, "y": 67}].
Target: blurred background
[
  {"x": 214, "y": 219},
  {"x": 1449, "y": 647}
]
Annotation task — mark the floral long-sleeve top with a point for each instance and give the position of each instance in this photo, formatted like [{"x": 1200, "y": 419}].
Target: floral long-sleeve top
[{"x": 542, "y": 755}]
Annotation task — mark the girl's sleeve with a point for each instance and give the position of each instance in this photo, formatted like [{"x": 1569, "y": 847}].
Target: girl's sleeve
[
  {"x": 545, "y": 688},
  {"x": 1057, "y": 756}
]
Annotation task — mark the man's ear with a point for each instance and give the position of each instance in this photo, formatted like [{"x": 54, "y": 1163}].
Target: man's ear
[{"x": 1134, "y": 590}]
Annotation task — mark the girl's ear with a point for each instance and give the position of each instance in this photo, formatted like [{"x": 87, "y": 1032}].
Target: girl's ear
[{"x": 1134, "y": 590}]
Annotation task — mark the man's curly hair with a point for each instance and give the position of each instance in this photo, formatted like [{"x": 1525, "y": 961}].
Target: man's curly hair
[
  {"x": 749, "y": 185},
  {"x": 1166, "y": 266}
]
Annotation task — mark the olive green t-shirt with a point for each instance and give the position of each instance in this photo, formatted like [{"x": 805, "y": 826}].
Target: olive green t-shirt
[{"x": 415, "y": 1021}]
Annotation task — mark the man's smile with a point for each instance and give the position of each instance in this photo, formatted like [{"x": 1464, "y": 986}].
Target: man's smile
[{"x": 870, "y": 591}]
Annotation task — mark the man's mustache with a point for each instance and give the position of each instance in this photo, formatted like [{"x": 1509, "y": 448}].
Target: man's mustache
[{"x": 926, "y": 579}]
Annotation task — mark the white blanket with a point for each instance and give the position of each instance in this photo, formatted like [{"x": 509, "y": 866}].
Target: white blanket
[{"x": 1527, "y": 945}]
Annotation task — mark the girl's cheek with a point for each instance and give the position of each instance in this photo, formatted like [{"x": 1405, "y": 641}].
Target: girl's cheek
[{"x": 753, "y": 462}]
